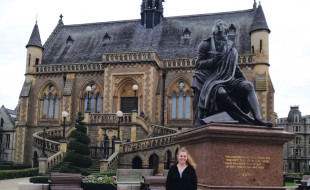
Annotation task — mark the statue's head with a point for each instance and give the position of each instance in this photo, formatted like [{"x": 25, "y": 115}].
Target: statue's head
[{"x": 220, "y": 27}]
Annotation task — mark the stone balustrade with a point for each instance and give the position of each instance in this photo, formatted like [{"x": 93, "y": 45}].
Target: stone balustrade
[
  {"x": 179, "y": 63},
  {"x": 69, "y": 68},
  {"x": 54, "y": 160},
  {"x": 163, "y": 137},
  {"x": 109, "y": 118},
  {"x": 245, "y": 58},
  {"x": 130, "y": 57},
  {"x": 51, "y": 146}
]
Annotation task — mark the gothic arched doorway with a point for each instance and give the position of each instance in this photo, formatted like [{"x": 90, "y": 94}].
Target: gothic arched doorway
[
  {"x": 137, "y": 163},
  {"x": 153, "y": 163},
  {"x": 169, "y": 157},
  {"x": 35, "y": 159}
]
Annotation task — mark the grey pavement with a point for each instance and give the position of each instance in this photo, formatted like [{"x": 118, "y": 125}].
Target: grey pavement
[{"x": 12, "y": 184}]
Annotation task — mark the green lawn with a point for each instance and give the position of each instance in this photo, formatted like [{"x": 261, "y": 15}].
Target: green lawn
[{"x": 289, "y": 184}]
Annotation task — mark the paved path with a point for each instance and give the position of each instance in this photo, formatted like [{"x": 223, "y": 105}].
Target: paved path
[{"x": 12, "y": 184}]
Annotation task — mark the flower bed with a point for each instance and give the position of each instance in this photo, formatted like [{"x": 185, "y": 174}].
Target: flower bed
[{"x": 92, "y": 182}]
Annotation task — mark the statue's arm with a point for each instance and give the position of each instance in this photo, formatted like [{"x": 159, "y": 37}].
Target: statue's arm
[{"x": 203, "y": 61}]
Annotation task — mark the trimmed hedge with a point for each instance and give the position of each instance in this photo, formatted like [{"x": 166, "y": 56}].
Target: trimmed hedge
[
  {"x": 14, "y": 167},
  {"x": 39, "y": 179},
  {"x": 10, "y": 174},
  {"x": 6, "y": 163}
]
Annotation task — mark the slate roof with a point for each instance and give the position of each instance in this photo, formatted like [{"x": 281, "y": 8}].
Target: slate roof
[
  {"x": 259, "y": 22},
  {"x": 294, "y": 112},
  {"x": 87, "y": 43},
  {"x": 35, "y": 39}
]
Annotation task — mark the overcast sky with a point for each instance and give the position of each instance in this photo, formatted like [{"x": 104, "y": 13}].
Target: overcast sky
[{"x": 288, "y": 21}]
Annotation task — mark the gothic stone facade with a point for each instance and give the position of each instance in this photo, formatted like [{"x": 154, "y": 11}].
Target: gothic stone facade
[{"x": 156, "y": 53}]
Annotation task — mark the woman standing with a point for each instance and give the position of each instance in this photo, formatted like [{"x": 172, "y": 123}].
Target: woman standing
[{"x": 183, "y": 175}]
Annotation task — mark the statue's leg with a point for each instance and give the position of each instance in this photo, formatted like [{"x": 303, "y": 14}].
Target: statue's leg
[
  {"x": 197, "y": 114},
  {"x": 254, "y": 106},
  {"x": 231, "y": 107},
  {"x": 253, "y": 103}
]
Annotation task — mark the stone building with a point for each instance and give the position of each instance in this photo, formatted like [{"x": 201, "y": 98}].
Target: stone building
[
  {"x": 296, "y": 152},
  {"x": 8, "y": 121},
  {"x": 156, "y": 53}
]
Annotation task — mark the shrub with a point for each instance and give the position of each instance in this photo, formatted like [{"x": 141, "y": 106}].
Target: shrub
[
  {"x": 78, "y": 150},
  {"x": 78, "y": 160},
  {"x": 14, "y": 167},
  {"x": 80, "y": 137},
  {"x": 73, "y": 169},
  {"x": 10, "y": 174},
  {"x": 78, "y": 147},
  {"x": 307, "y": 173},
  {"x": 39, "y": 179}
]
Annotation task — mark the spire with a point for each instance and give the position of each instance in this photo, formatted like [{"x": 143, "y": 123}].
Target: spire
[
  {"x": 35, "y": 39},
  {"x": 259, "y": 21},
  {"x": 151, "y": 13}
]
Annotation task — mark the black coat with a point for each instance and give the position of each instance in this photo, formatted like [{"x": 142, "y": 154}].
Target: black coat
[{"x": 187, "y": 182}]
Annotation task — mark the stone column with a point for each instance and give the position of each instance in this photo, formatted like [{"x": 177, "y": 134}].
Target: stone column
[
  {"x": 161, "y": 167},
  {"x": 43, "y": 166},
  {"x": 63, "y": 146},
  {"x": 117, "y": 145}
]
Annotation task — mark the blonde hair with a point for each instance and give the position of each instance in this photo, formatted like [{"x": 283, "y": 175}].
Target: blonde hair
[{"x": 190, "y": 160}]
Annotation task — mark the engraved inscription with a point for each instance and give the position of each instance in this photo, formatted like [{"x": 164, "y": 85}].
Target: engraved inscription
[{"x": 247, "y": 162}]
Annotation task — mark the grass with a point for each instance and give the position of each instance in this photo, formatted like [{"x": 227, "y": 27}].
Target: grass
[{"x": 289, "y": 184}]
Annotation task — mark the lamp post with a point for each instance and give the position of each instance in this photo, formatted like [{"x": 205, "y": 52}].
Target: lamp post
[
  {"x": 119, "y": 114},
  {"x": 88, "y": 89},
  {"x": 43, "y": 155},
  {"x": 64, "y": 116},
  {"x": 135, "y": 88}
]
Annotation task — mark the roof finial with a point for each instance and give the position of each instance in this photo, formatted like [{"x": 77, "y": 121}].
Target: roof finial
[
  {"x": 37, "y": 18},
  {"x": 254, "y": 5},
  {"x": 61, "y": 16}
]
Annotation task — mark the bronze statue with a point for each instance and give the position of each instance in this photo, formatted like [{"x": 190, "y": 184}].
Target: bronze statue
[{"x": 219, "y": 84}]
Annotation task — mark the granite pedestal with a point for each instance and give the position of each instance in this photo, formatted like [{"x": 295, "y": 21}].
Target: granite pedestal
[{"x": 234, "y": 156}]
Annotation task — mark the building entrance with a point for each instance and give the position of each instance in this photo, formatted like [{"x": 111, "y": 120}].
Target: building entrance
[{"x": 128, "y": 104}]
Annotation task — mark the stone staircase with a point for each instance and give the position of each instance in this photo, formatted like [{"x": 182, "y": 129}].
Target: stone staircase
[
  {"x": 94, "y": 168},
  {"x": 57, "y": 167}
]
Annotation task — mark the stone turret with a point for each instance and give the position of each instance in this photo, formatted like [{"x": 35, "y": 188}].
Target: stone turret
[
  {"x": 151, "y": 13},
  {"x": 34, "y": 50}
]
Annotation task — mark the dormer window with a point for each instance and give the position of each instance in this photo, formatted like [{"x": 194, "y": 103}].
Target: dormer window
[
  {"x": 232, "y": 30},
  {"x": 106, "y": 37},
  {"x": 70, "y": 40},
  {"x": 187, "y": 33}
]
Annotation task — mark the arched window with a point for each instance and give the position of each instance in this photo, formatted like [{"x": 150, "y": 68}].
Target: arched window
[
  {"x": 180, "y": 106},
  {"x": 85, "y": 102},
  {"x": 44, "y": 107},
  {"x": 92, "y": 103},
  {"x": 98, "y": 110},
  {"x": 181, "y": 102},
  {"x": 188, "y": 106},
  {"x": 50, "y": 103},
  {"x": 149, "y": 4},
  {"x": 95, "y": 99},
  {"x": 56, "y": 107},
  {"x": 174, "y": 106},
  {"x": 50, "y": 107}
]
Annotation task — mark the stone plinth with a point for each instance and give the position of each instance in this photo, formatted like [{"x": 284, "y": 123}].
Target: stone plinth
[{"x": 234, "y": 156}]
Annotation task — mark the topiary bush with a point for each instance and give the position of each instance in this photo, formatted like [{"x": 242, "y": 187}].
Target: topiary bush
[{"x": 78, "y": 150}]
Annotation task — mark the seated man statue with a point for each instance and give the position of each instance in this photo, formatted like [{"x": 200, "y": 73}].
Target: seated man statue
[{"x": 219, "y": 84}]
